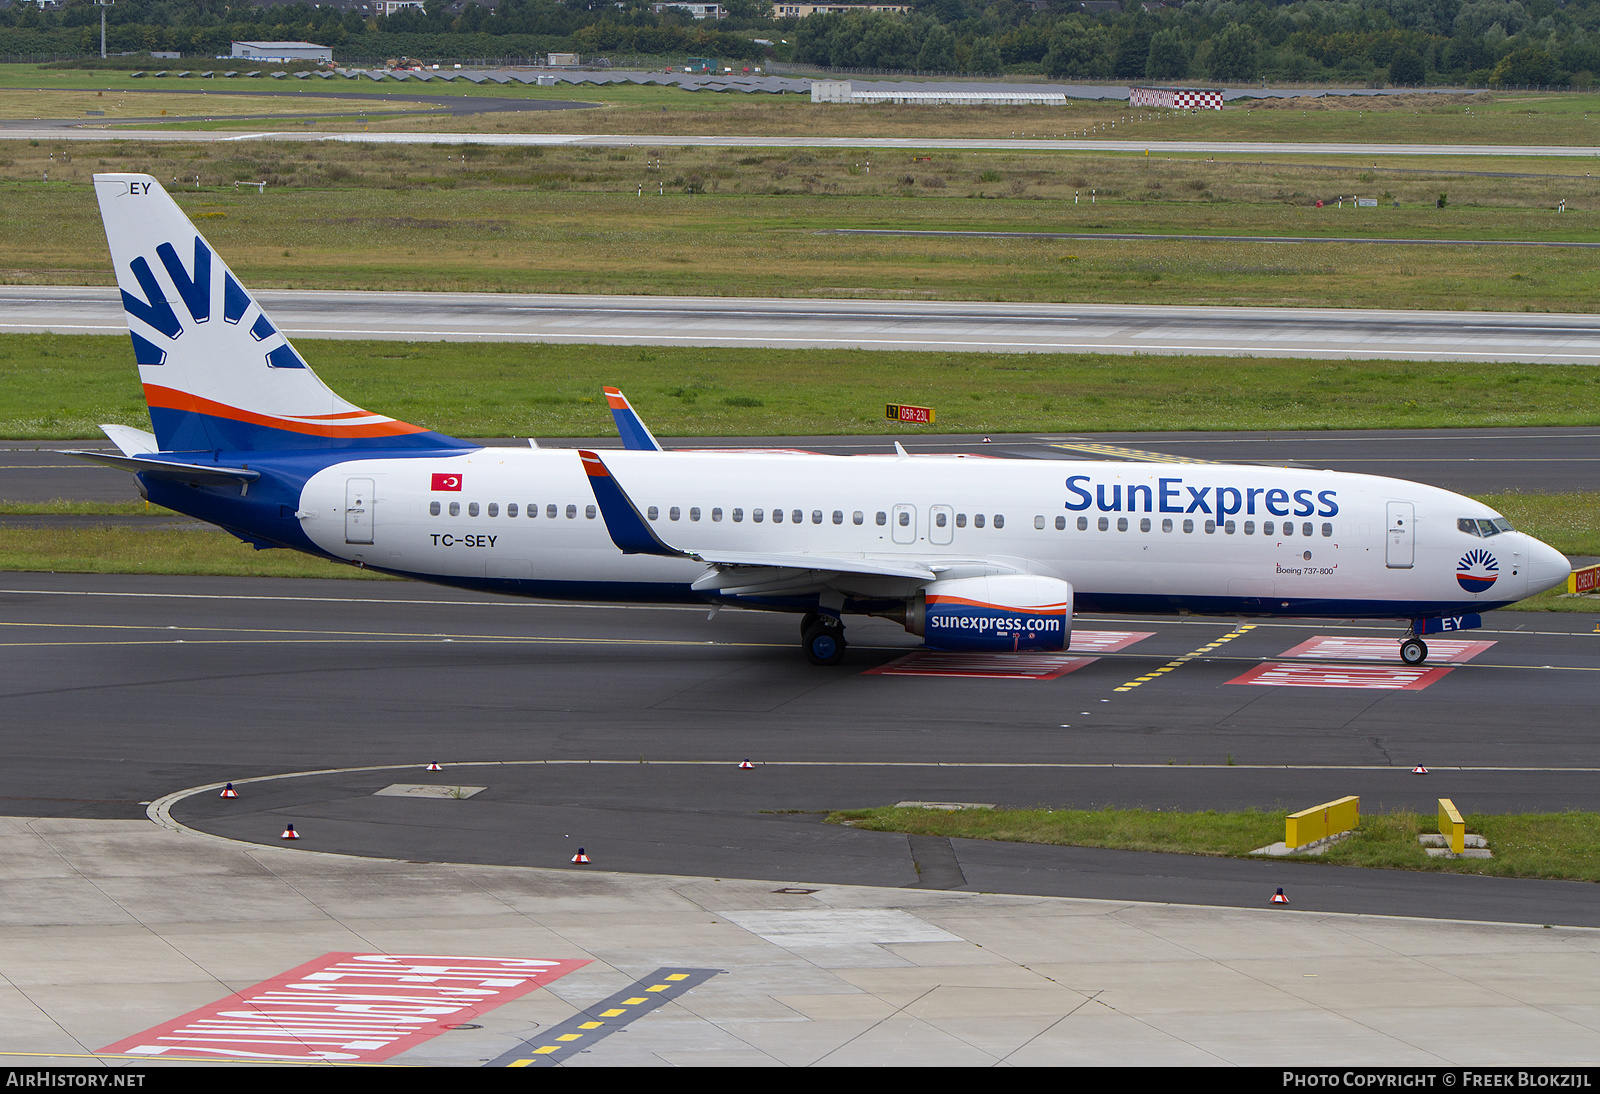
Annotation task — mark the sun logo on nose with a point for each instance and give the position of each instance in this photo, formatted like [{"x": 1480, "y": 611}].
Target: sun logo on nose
[{"x": 1477, "y": 570}]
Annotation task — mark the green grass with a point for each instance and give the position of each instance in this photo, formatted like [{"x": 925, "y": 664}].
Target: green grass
[
  {"x": 1561, "y": 845},
  {"x": 63, "y": 386},
  {"x": 761, "y": 221},
  {"x": 156, "y": 551}
]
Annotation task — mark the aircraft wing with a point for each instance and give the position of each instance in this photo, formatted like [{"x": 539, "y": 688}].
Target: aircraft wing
[{"x": 769, "y": 573}]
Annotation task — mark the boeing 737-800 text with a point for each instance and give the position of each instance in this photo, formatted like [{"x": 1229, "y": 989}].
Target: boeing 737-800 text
[{"x": 969, "y": 554}]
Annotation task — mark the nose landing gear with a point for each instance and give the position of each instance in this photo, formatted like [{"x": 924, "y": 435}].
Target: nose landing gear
[{"x": 1413, "y": 650}]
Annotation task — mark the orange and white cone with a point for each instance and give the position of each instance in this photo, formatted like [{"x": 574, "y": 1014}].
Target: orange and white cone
[
  {"x": 290, "y": 833},
  {"x": 580, "y": 858},
  {"x": 747, "y": 766},
  {"x": 229, "y": 792},
  {"x": 1278, "y": 897}
]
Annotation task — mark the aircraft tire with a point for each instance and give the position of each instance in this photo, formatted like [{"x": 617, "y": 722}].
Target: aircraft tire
[
  {"x": 1413, "y": 651},
  {"x": 824, "y": 644}
]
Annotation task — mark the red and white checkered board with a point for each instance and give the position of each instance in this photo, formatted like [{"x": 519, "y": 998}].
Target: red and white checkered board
[
  {"x": 1338, "y": 647},
  {"x": 1290, "y": 674},
  {"x": 1197, "y": 100}
]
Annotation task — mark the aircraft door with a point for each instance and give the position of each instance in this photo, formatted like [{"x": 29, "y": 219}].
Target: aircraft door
[
  {"x": 1400, "y": 539},
  {"x": 903, "y": 521},
  {"x": 358, "y": 511},
  {"x": 941, "y": 524}
]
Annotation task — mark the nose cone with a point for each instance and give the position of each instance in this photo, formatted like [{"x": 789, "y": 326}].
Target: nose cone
[{"x": 1547, "y": 567}]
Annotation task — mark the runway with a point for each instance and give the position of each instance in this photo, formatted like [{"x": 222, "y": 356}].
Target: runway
[
  {"x": 1006, "y": 143},
  {"x": 869, "y": 324}
]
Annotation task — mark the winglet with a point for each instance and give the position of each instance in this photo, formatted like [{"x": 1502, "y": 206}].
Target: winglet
[
  {"x": 629, "y": 531},
  {"x": 635, "y": 434}
]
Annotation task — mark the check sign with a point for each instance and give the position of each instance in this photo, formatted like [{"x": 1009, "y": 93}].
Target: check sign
[
  {"x": 446, "y": 482},
  {"x": 898, "y": 412}
]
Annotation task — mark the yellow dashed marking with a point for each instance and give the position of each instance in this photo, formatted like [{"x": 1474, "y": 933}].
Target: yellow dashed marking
[
  {"x": 635, "y": 1001},
  {"x": 1170, "y": 665}
]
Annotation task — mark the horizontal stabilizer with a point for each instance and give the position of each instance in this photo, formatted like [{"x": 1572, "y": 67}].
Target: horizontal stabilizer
[
  {"x": 174, "y": 470},
  {"x": 133, "y": 442}
]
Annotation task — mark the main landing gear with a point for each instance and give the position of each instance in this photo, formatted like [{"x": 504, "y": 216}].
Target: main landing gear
[
  {"x": 1413, "y": 650},
  {"x": 822, "y": 638}
]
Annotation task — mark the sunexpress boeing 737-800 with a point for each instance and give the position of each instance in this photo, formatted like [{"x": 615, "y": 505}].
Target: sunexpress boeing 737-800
[{"x": 968, "y": 554}]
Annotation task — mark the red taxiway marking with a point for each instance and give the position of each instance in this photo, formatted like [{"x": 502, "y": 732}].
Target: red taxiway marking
[
  {"x": 1298, "y": 675},
  {"x": 1335, "y": 647},
  {"x": 346, "y": 1008}
]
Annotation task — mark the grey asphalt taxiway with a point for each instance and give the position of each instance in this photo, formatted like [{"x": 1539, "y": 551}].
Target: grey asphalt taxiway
[
  {"x": 129, "y": 701},
  {"x": 868, "y": 324}
]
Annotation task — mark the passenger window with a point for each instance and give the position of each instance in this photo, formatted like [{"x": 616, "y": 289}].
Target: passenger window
[
  {"x": 433, "y": 508},
  {"x": 716, "y": 514},
  {"x": 816, "y": 516},
  {"x": 1249, "y": 527},
  {"x": 1122, "y": 524},
  {"x": 756, "y": 515},
  {"x": 738, "y": 516},
  {"x": 999, "y": 521},
  {"x": 494, "y": 509},
  {"x": 1227, "y": 527},
  {"x": 694, "y": 512},
  {"x": 654, "y": 513},
  {"x": 1305, "y": 529},
  {"x": 777, "y": 516},
  {"x": 1327, "y": 531},
  {"x": 588, "y": 512},
  {"x": 511, "y": 509},
  {"x": 838, "y": 516},
  {"x": 674, "y": 513},
  {"x": 940, "y": 520},
  {"x": 1266, "y": 527},
  {"x": 1166, "y": 524},
  {"x": 1105, "y": 524},
  {"x": 472, "y": 508},
  {"x": 905, "y": 520},
  {"x": 533, "y": 510},
  {"x": 572, "y": 512},
  {"x": 1211, "y": 527},
  {"x": 1288, "y": 528},
  {"x": 455, "y": 509},
  {"x": 857, "y": 517},
  {"x": 961, "y": 520},
  {"x": 1038, "y": 522},
  {"x": 1083, "y": 524},
  {"x": 796, "y": 516},
  {"x": 1061, "y": 524},
  {"x": 1144, "y": 524},
  {"x": 1188, "y": 526},
  {"x": 550, "y": 512},
  {"x": 977, "y": 520},
  {"x": 883, "y": 518}
]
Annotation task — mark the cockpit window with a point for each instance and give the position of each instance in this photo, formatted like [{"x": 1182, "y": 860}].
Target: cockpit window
[{"x": 1475, "y": 526}]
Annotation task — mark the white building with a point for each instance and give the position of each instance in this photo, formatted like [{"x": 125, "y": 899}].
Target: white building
[
  {"x": 699, "y": 11},
  {"x": 283, "y": 51}
]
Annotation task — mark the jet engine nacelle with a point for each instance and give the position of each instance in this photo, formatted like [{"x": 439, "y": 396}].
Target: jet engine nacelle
[{"x": 1008, "y": 612}]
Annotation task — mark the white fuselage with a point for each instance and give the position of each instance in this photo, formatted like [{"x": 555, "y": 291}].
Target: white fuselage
[{"x": 1161, "y": 537}]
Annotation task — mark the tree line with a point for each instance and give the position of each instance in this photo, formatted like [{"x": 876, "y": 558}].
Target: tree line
[{"x": 1402, "y": 42}]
